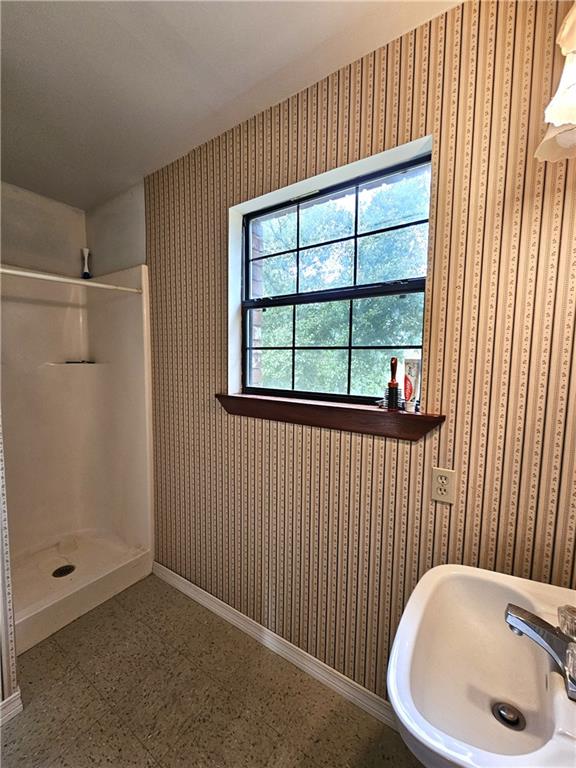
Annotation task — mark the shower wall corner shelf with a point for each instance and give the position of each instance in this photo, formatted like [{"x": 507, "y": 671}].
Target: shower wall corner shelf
[
  {"x": 72, "y": 363},
  {"x": 51, "y": 278}
]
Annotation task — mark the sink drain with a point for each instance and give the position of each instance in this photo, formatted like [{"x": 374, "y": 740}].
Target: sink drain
[
  {"x": 509, "y": 715},
  {"x": 63, "y": 570}
]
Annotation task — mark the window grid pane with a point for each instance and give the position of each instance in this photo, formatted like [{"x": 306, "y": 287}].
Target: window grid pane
[
  {"x": 271, "y": 368},
  {"x": 313, "y": 253},
  {"x": 285, "y": 268}
]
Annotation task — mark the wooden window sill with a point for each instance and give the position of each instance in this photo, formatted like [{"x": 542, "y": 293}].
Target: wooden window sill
[{"x": 366, "y": 419}]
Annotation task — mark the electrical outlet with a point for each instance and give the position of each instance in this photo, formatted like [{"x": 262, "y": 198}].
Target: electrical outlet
[{"x": 443, "y": 485}]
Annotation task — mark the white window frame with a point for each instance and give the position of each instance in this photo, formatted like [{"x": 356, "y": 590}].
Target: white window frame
[{"x": 405, "y": 153}]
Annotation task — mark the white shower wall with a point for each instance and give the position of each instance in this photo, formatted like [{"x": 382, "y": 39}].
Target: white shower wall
[
  {"x": 46, "y": 422},
  {"x": 77, "y": 443},
  {"x": 118, "y": 339}
]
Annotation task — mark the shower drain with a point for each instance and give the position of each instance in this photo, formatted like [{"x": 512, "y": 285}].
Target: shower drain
[
  {"x": 63, "y": 570},
  {"x": 509, "y": 715}
]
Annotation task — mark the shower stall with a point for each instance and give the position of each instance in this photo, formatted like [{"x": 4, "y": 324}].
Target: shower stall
[{"x": 77, "y": 438}]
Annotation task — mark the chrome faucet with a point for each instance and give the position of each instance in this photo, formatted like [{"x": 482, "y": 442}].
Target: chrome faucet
[{"x": 558, "y": 642}]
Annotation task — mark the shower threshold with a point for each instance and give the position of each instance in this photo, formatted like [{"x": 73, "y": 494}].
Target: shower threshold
[{"x": 57, "y": 584}]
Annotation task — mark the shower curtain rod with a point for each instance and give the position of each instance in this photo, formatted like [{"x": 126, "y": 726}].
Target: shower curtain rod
[{"x": 69, "y": 280}]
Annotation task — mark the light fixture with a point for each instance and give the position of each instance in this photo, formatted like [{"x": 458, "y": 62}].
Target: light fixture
[{"x": 559, "y": 143}]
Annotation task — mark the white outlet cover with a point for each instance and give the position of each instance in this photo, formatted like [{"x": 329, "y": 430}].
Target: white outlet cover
[{"x": 443, "y": 485}]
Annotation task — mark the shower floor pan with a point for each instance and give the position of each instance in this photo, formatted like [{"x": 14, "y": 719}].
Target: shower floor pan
[{"x": 48, "y": 595}]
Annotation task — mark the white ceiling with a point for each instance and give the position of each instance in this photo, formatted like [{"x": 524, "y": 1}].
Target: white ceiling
[{"x": 97, "y": 94}]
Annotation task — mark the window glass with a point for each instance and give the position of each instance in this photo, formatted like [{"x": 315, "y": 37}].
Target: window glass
[
  {"x": 274, "y": 276},
  {"x": 395, "y": 199},
  {"x": 370, "y": 370},
  {"x": 322, "y": 370},
  {"x": 270, "y": 327},
  {"x": 323, "y": 325},
  {"x": 270, "y": 368},
  {"x": 388, "y": 320},
  {"x": 273, "y": 233},
  {"x": 396, "y": 255},
  {"x": 329, "y": 266},
  {"x": 327, "y": 218}
]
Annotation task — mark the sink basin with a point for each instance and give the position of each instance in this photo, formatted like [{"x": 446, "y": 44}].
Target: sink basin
[{"x": 454, "y": 658}]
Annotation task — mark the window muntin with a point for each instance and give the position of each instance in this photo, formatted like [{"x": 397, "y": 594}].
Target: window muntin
[{"x": 334, "y": 287}]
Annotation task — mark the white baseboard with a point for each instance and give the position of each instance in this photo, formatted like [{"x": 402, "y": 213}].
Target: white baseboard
[
  {"x": 10, "y": 707},
  {"x": 357, "y": 694}
]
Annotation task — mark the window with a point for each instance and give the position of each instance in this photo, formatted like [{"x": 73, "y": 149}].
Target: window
[{"x": 334, "y": 287}]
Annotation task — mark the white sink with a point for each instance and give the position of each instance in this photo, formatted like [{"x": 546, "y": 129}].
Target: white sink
[{"x": 454, "y": 657}]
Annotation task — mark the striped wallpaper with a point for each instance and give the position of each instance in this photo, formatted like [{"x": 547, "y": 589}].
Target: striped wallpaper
[
  {"x": 321, "y": 535},
  {"x": 8, "y": 682}
]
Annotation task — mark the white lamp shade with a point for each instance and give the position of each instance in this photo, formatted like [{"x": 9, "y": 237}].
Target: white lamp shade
[
  {"x": 559, "y": 143},
  {"x": 567, "y": 35},
  {"x": 562, "y": 108}
]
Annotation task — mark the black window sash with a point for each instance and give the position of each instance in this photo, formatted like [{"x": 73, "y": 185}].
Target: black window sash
[
  {"x": 248, "y": 348},
  {"x": 390, "y": 288}
]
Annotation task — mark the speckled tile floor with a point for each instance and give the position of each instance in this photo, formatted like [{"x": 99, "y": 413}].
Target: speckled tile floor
[{"x": 151, "y": 679}]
